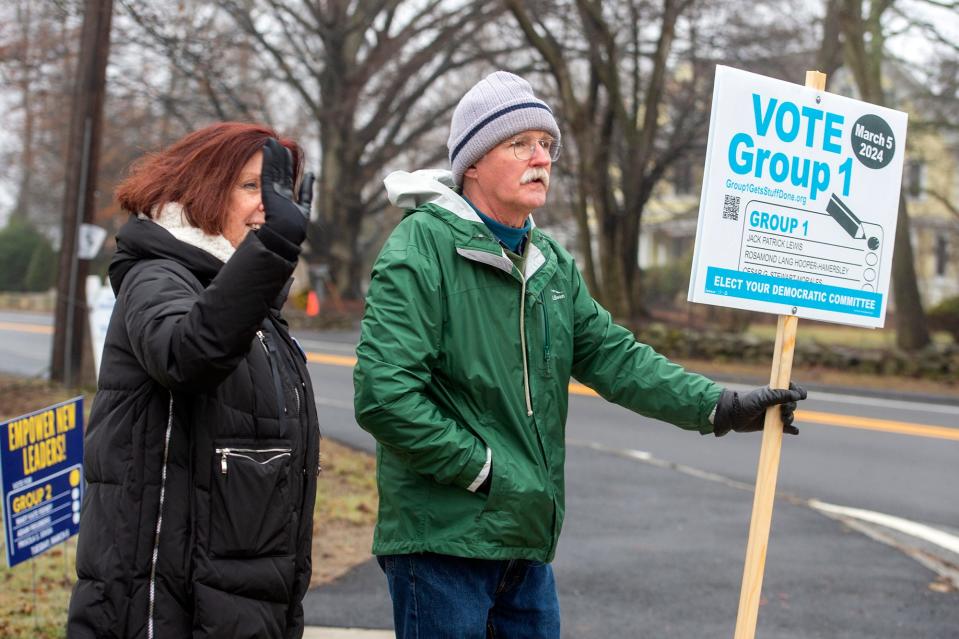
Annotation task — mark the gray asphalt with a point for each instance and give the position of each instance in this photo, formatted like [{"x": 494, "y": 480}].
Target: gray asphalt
[
  {"x": 25, "y": 353},
  {"x": 652, "y": 550},
  {"x": 666, "y": 560}
]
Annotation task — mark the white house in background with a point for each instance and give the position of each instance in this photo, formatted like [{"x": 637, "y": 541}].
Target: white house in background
[
  {"x": 931, "y": 185},
  {"x": 668, "y": 230}
]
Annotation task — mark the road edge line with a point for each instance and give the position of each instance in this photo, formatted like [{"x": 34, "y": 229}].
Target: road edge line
[
  {"x": 855, "y": 518},
  {"x": 913, "y": 529}
]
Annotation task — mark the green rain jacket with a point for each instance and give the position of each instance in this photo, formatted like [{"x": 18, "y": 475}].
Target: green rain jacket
[{"x": 463, "y": 360}]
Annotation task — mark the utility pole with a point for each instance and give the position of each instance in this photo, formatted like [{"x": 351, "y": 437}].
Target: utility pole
[{"x": 82, "y": 164}]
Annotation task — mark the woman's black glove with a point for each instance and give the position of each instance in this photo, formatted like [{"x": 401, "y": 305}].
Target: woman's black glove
[
  {"x": 286, "y": 218},
  {"x": 747, "y": 413}
]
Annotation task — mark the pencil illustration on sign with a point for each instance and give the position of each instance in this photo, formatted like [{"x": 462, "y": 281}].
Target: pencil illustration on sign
[{"x": 846, "y": 218}]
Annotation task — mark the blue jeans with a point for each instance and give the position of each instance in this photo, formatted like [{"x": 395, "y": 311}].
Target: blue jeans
[{"x": 437, "y": 596}]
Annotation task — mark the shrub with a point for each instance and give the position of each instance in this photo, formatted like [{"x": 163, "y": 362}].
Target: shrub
[
  {"x": 26, "y": 259},
  {"x": 42, "y": 270},
  {"x": 663, "y": 285},
  {"x": 944, "y": 316}
]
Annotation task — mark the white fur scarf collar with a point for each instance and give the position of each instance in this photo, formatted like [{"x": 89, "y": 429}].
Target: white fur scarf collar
[{"x": 173, "y": 219}]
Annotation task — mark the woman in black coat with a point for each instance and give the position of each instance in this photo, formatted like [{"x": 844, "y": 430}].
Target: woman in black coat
[{"x": 202, "y": 450}]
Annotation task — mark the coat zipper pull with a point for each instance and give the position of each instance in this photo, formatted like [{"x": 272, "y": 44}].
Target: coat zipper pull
[
  {"x": 277, "y": 383},
  {"x": 224, "y": 452}
]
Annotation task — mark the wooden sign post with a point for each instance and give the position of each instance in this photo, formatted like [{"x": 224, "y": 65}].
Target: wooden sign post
[
  {"x": 768, "y": 469},
  {"x": 765, "y": 484}
]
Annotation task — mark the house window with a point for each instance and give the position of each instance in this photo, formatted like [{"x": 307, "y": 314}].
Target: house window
[
  {"x": 942, "y": 255},
  {"x": 682, "y": 178},
  {"x": 914, "y": 177},
  {"x": 679, "y": 248}
]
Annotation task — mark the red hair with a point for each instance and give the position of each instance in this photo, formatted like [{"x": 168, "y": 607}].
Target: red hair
[{"x": 199, "y": 171}]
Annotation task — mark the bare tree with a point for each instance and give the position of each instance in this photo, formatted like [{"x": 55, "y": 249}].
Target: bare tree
[
  {"x": 864, "y": 30},
  {"x": 635, "y": 101},
  {"x": 633, "y": 79},
  {"x": 358, "y": 77},
  {"x": 195, "y": 66},
  {"x": 366, "y": 73},
  {"x": 36, "y": 62}
]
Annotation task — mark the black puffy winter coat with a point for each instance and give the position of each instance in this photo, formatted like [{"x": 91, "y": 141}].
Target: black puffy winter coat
[{"x": 202, "y": 450}]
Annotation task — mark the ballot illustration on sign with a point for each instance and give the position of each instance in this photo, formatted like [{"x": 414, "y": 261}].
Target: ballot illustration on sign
[
  {"x": 799, "y": 244},
  {"x": 800, "y": 194}
]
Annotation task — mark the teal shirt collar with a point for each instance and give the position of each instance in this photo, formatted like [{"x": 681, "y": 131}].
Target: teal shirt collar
[{"x": 511, "y": 237}]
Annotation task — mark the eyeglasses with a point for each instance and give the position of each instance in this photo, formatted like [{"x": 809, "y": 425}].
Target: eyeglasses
[{"x": 525, "y": 148}]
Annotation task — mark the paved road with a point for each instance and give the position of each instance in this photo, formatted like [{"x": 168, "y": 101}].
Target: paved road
[
  {"x": 657, "y": 519},
  {"x": 908, "y": 475},
  {"x": 25, "y": 343}
]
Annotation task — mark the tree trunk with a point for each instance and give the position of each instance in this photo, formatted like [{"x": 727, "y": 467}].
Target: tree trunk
[
  {"x": 911, "y": 331},
  {"x": 864, "y": 54},
  {"x": 588, "y": 268},
  {"x": 82, "y": 162},
  {"x": 21, "y": 211}
]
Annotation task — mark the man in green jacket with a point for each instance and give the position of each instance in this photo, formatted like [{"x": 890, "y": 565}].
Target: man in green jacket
[{"x": 475, "y": 322}]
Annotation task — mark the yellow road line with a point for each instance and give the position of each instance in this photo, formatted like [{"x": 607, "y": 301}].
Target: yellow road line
[
  {"x": 815, "y": 417},
  {"x": 884, "y": 425},
  {"x": 333, "y": 360},
  {"x": 26, "y": 328},
  {"x": 843, "y": 421},
  {"x": 579, "y": 389}
]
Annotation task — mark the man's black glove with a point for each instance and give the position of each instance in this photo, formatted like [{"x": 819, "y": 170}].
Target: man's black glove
[
  {"x": 747, "y": 413},
  {"x": 286, "y": 218}
]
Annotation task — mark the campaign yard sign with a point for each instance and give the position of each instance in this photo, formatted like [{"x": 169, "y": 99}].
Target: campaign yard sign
[
  {"x": 799, "y": 204},
  {"x": 41, "y": 467}
]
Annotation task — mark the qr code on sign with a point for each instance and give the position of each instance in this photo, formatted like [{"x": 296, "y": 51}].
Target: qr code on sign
[{"x": 731, "y": 208}]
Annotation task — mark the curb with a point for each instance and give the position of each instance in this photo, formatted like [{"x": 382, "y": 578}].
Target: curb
[{"x": 319, "y": 632}]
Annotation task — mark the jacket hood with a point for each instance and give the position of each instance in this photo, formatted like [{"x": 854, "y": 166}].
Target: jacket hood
[
  {"x": 430, "y": 186},
  {"x": 411, "y": 191},
  {"x": 143, "y": 239}
]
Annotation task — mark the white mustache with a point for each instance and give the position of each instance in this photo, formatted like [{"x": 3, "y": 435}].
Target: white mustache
[{"x": 535, "y": 173}]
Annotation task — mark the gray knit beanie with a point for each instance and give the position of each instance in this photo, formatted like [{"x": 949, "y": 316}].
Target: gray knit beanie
[{"x": 497, "y": 107}]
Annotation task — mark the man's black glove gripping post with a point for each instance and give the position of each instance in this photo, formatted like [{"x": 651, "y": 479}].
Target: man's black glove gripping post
[{"x": 747, "y": 413}]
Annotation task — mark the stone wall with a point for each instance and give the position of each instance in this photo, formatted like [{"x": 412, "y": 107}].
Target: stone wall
[{"x": 939, "y": 362}]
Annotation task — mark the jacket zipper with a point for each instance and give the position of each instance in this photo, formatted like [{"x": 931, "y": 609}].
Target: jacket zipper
[
  {"x": 278, "y": 385},
  {"x": 300, "y": 408},
  {"x": 226, "y": 453},
  {"x": 522, "y": 340},
  {"x": 546, "y": 353},
  {"x": 156, "y": 537}
]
